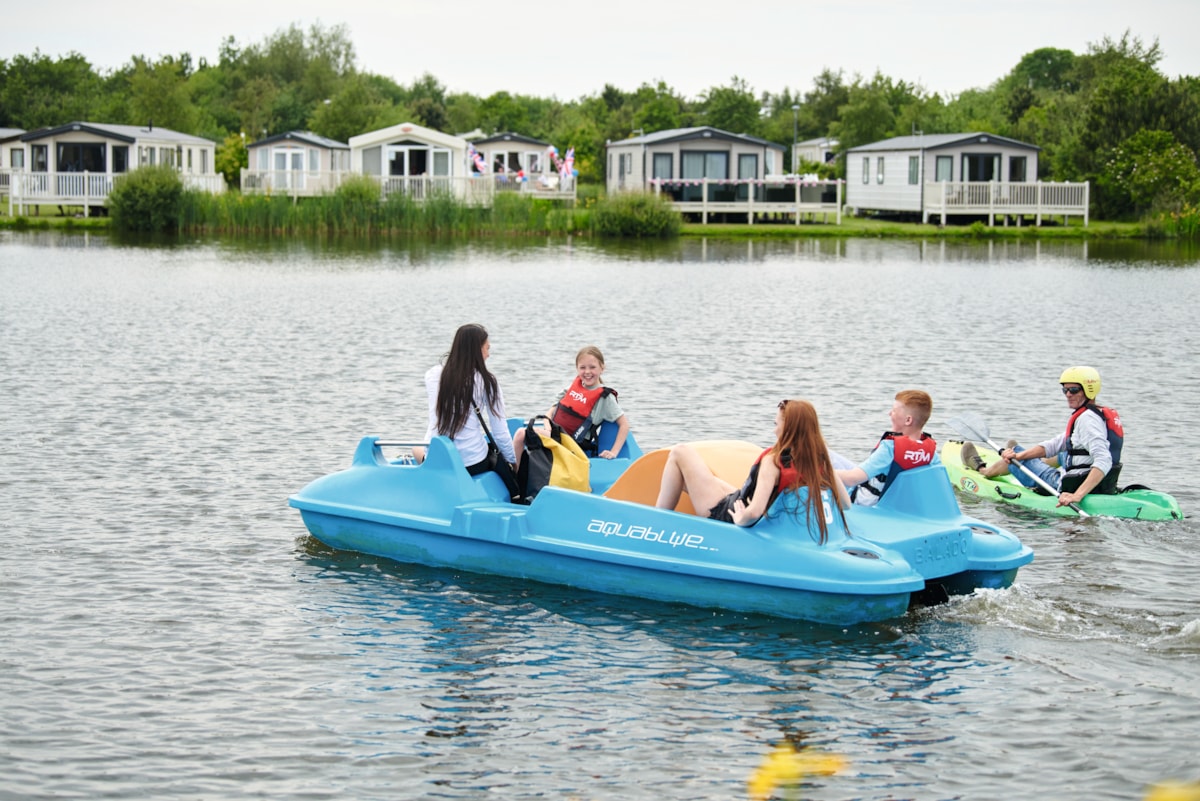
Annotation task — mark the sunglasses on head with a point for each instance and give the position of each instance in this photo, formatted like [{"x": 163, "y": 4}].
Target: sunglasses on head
[
  {"x": 782, "y": 404},
  {"x": 1072, "y": 390}
]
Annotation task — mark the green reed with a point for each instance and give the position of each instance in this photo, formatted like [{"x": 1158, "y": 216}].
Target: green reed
[
  {"x": 1183, "y": 223},
  {"x": 357, "y": 208}
]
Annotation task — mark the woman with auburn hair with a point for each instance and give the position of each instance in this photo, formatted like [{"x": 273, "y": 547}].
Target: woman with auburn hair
[{"x": 799, "y": 458}]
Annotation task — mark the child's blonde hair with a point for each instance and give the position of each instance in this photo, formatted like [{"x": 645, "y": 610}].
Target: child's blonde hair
[{"x": 590, "y": 350}]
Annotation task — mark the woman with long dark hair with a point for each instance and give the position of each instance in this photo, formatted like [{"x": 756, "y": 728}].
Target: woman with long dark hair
[
  {"x": 458, "y": 387},
  {"x": 799, "y": 458}
]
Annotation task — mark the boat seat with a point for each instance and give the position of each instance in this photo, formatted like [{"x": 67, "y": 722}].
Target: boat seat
[{"x": 728, "y": 459}]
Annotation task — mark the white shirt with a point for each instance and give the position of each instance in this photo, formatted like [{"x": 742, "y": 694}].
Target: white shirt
[
  {"x": 470, "y": 440},
  {"x": 1090, "y": 433}
]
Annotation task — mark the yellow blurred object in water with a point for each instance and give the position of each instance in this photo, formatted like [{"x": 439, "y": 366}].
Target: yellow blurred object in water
[
  {"x": 1174, "y": 791},
  {"x": 785, "y": 765}
]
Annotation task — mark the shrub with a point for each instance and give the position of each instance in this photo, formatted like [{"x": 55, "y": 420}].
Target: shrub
[
  {"x": 354, "y": 206},
  {"x": 636, "y": 214},
  {"x": 1150, "y": 171},
  {"x": 1183, "y": 223},
  {"x": 147, "y": 199}
]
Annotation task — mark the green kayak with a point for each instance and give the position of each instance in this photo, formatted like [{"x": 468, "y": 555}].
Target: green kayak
[{"x": 1134, "y": 503}]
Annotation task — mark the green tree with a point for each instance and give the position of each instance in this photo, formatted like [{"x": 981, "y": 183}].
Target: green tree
[
  {"x": 39, "y": 92},
  {"x": 867, "y": 115},
  {"x": 503, "y": 112},
  {"x": 1150, "y": 171},
  {"x": 355, "y": 109},
  {"x": 659, "y": 108},
  {"x": 732, "y": 108},
  {"x": 159, "y": 92},
  {"x": 1046, "y": 69},
  {"x": 231, "y": 158},
  {"x": 462, "y": 112},
  {"x": 820, "y": 106},
  {"x": 253, "y": 102}
]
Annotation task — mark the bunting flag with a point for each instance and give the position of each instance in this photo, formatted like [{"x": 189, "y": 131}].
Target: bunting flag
[
  {"x": 480, "y": 164},
  {"x": 555, "y": 159}
]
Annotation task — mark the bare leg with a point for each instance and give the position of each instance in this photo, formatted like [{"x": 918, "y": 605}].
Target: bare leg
[
  {"x": 685, "y": 471},
  {"x": 996, "y": 468},
  {"x": 519, "y": 446}
]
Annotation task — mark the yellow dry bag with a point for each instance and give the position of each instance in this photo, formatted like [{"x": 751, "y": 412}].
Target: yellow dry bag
[{"x": 552, "y": 459}]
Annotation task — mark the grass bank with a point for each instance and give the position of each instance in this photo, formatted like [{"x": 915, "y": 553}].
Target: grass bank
[
  {"x": 864, "y": 227},
  {"x": 512, "y": 215}
]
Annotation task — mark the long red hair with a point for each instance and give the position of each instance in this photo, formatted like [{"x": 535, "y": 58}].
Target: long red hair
[{"x": 800, "y": 436}]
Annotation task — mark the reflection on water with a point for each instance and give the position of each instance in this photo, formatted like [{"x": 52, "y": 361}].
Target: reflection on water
[
  {"x": 419, "y": 250},
  {"x": 170, "y": 630}
]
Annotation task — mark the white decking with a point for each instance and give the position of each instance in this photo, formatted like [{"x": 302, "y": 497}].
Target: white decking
[
  {"x": 87, "y": 189},
  {"x": 786, "y": 196},
  {"x": 1018, "y": 200},
  {"x": 473, "y": 189}
]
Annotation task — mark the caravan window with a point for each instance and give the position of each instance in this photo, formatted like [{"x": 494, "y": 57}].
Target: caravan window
[
  {"x": 747, "y": 166},
  {"x": 944, "y": 168},
  {"x": 866, "y": 169},
  {"x": 914, "y": 169},
  {"x": 663, "y": 166},
  {"x": 1016, "y": 169},
  {"x": 879, "y": 170},
  {"x": 120, "y": 158}
]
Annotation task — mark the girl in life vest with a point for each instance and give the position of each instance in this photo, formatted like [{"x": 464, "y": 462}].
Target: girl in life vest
[
  {"x": 799, "y": 458},
  {"x": 584, "y": 405}
]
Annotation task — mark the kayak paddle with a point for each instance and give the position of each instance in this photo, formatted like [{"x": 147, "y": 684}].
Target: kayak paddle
[{"x": 972, "y": 426}]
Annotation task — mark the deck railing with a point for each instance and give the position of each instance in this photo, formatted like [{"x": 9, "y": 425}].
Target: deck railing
[
  {"x": 757, "y": 198},
  {"x": 474, "y": 189},
  {"x": 1016, "y": 200},
  {"x": 87, "y": 189}
]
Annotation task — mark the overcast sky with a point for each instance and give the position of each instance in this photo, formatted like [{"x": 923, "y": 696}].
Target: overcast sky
[{"x": 568, "y": 50}]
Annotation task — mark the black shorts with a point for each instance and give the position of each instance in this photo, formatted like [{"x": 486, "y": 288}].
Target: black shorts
[{"x": 723, "y": 511}]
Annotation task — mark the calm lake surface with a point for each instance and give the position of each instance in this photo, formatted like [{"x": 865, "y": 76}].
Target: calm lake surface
[{"x": 170, "y": 631}]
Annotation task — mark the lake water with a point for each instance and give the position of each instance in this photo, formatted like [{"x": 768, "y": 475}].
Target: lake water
[{"x": 169, "y": 630}]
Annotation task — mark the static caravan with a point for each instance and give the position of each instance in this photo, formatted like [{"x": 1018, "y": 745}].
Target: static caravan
[
  {"x": 689, "y": 155},
  {"x": 893, "y": 175},
  {"x": 512, "y": 153},
  {"x": 409, "y": 150},
  {"x": 296, "y": 162},
  {"x": 821, "y": 150}
]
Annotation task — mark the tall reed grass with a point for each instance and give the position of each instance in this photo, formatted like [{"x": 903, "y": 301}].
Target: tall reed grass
[
  {"x": 1183, "y": 223},
  {"x": 357, "y": 209}
]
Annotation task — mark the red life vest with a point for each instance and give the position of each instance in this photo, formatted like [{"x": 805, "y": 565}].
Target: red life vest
[
  {"x": 1112, "y": 428},
  {"x": 576, "y": 406},
  {"x": 789, "y": 476},
  {"x": 907, "y": 453}
]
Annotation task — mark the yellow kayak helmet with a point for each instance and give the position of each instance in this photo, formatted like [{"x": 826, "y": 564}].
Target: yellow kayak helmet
[{"x": 1086, "y": 377}]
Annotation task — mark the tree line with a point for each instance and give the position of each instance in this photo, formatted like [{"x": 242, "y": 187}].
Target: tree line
[{"x": 1108, "y": 115}]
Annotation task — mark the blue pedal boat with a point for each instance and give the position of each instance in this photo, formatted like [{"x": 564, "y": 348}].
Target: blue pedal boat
[{"x": 915, "y": 546}]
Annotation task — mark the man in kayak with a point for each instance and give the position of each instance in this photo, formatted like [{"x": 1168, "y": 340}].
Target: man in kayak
[
  {"x": 1087, "y": 456},
  {"x": 903, "y": 447}
]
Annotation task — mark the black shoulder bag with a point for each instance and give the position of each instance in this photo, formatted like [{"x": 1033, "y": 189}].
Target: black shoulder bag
[{"x": 497, "y": 463}]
